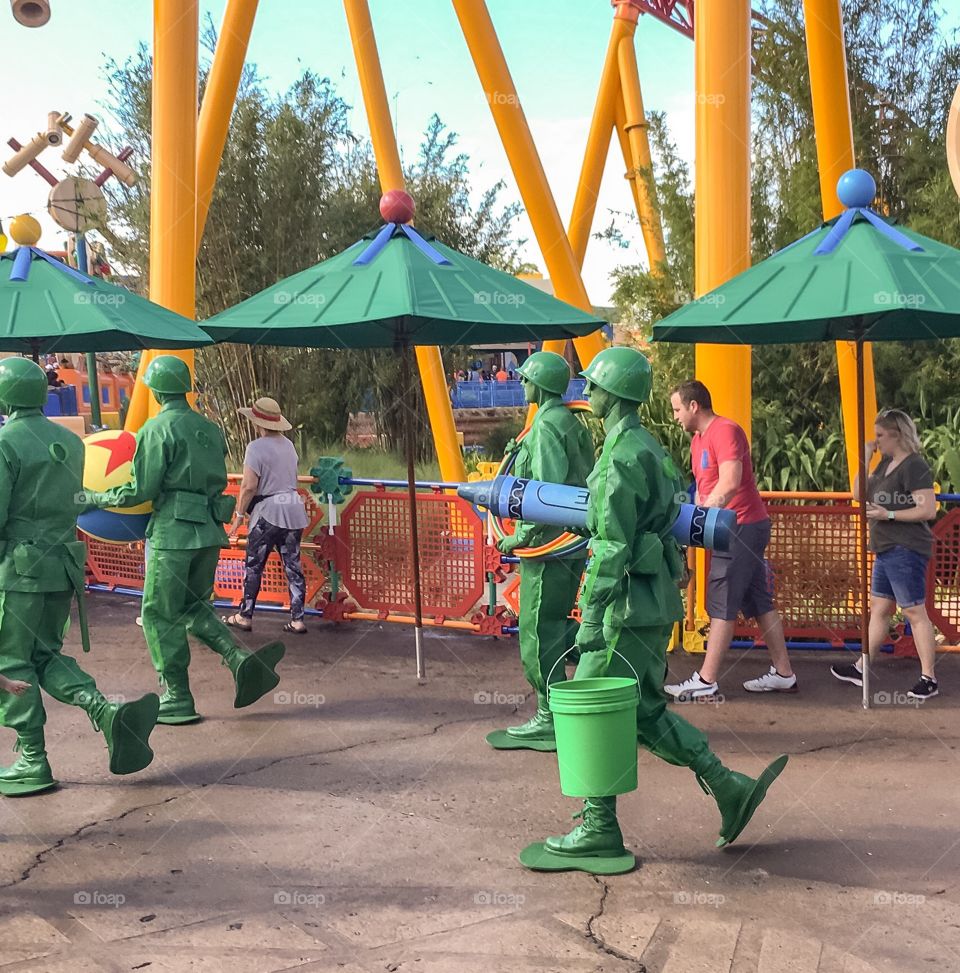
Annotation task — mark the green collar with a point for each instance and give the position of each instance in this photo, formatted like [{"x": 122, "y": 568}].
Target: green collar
[
  {"x": 552, "y": 403},
  {"x": 178, "y": 404},
  {"x": 21, "y": 412},
  {"x": 629, "y": 421}
]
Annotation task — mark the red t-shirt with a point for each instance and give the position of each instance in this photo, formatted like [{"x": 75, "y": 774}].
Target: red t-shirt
[{"x": 723, "y": 441}]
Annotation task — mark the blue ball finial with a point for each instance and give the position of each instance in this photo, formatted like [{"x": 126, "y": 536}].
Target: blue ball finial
[{"x": 856, "y": 187}]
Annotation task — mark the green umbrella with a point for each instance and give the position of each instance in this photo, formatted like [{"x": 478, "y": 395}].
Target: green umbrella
[
  {"x": 856, "y": 278},
  {"x": 46, "y": 306},
  {"x": 394, "y": 289}
]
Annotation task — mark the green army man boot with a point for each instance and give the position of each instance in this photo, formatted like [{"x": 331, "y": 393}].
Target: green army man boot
[
  {"x": 126, "y": 727},
  {"x": 597, "y": 836},
  {"x": 539, "y": 726},
  {"x": 737, "y": 795},
  {"x": 31, "y": 771}
]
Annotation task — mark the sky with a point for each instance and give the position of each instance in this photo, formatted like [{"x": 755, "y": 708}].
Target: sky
[
  {"x": 555, "y": 55},
  {"x": 554, "y": 49}
]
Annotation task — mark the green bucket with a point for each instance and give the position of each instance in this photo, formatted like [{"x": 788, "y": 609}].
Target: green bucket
[{"x": 596, "y": 727}]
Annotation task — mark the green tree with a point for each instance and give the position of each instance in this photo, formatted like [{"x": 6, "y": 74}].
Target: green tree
[{"x": 295, "y": 187}]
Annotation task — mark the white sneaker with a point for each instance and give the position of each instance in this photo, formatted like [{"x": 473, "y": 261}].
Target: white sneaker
[
  {"x": 692, "y": 688},
  {"x": 772, "y": 682},
  {"x": 140, "y": 620}
]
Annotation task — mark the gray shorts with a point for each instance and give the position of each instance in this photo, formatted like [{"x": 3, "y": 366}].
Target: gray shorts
[{"x": 739, "y": 579}]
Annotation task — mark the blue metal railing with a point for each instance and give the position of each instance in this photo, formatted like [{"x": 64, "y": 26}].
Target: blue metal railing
[{"x": 493, "y": 395}]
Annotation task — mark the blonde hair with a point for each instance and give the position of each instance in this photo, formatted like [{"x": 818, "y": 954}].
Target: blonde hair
[{"x": 893, "y": 420}]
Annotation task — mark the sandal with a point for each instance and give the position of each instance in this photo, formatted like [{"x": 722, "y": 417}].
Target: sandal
[
  {"x": 231, "y": 622},
  {"x": 289, "y": 627}
]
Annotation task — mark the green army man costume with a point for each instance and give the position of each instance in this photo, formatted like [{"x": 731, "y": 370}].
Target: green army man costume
[
  {"x": 180, "y": 466},
  {"x": 41, "y": 572},
  {"x": 558, "y": 449},
  {"x": 629, "y": 603}
]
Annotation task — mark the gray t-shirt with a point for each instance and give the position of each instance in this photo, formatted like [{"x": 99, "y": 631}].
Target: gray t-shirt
[
  {"x": 893, "y": 490},
  {"x": 274, "y": 460}
]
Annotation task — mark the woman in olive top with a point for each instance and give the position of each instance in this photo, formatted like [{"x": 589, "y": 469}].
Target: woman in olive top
[{"x": 900, "y": 508}]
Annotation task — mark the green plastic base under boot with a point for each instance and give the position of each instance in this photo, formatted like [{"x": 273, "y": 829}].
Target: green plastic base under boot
[
  {"x": 127, "y": 729},
  {"x": 255, "y": 675},
  {"x": 737, "y": 808},
  {"x": 539, "y": 858},
  {"x": 31, "y": 773},
  {"x": 502, "y": 740},
  {"x": 177, "y": 706}
]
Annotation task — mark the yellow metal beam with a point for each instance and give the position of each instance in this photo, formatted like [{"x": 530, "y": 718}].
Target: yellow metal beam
[
  {"x": 635, "y": 126},
  {"x": 173, "y": 166},
  {"x": 525, "y": 163},
  {"x": 594, "y": 159},
  {"x": 436, "y": 396},
  {"x": 219, "y": 97},
  {"x": 722, "y": 200},
  {"x": 833, "y": 125},
  {"x": 722, "y": 197}
]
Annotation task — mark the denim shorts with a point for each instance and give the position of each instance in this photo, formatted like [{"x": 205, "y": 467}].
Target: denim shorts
[{"x": 900, "y": 575}]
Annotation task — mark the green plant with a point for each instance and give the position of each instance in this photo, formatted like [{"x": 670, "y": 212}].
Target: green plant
[{"x": 495, "y": 443}]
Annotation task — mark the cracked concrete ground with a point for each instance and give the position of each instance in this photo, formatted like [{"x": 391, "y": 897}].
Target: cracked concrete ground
[{"x": 359, "y": 822}]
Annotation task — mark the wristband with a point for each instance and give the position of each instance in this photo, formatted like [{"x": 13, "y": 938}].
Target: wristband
[{"x": 891, "y": 515}]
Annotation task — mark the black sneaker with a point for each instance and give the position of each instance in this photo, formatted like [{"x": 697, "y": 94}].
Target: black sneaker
[
  {"x": 848, "y": 673},
  {"x": 924, "y": 689}
]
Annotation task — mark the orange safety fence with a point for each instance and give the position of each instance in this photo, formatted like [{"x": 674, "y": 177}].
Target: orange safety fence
[{"x": 362, "y": 571}]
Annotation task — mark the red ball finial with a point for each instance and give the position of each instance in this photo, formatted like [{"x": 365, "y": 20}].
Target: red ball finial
[{"x": 396, "y": 206}]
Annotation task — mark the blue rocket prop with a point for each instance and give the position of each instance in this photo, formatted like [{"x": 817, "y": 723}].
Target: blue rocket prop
[{"x": 566, "y": 506}]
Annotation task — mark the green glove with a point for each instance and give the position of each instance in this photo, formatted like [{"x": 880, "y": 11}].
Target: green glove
[
  {"x": 591, "y": 665},
  {"x": 506, "y": 545}
]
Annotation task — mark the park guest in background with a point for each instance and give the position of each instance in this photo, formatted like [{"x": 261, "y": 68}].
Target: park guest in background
[
  {"x": 900, "y": 507},
  {"x": 268, "y": 495}
]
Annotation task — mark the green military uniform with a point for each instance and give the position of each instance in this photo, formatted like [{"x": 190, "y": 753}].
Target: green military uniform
[
  {"x": 630, "y": 602},
  {"x": 41, "y": 572},
  {"x": 180, "y": 466},
  {"x": 557, "y": 449}
]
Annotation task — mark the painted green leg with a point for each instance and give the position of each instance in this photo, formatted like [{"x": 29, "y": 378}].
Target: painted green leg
[
  {"x": 166, "y": 595},
  {"x": 254, "y": 673},
  {"x": 25, "y": 617}
]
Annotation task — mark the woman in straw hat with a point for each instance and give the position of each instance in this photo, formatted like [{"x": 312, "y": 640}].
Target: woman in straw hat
[{"x": 269, "y": 497}]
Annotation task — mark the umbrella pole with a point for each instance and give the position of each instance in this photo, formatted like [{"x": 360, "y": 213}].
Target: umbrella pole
[
  {"x": 862, "y": 532},
  {"x": 409, "y": 402}
]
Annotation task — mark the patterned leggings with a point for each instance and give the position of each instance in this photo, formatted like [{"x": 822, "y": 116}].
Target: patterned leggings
[{"x": 263, "y": 539}]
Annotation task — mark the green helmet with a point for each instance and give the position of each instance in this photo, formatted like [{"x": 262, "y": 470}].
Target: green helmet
[
  {"x": 23, "y": 384},
  {"x": 623, "y": 372},
  {"x": 547, "y": 370},
  {"x": 169, "y": 375}
]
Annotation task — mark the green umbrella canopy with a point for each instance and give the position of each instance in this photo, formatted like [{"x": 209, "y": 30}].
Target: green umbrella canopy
[
  {"x": 869, "y": 280},
  {"x": 47, "y": 306},
  {"x": 395, "y": 287}
]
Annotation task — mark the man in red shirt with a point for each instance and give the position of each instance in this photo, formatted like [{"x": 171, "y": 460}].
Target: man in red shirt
[{"x": 739, "y": 580}]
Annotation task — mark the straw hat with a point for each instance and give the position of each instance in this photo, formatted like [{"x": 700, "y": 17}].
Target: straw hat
[{"x": 266, "y": 414}]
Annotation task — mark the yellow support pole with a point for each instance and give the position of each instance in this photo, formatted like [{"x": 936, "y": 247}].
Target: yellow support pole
[
  {"x": 219, "y": 97},
  {"x": 173, "y": 189},
  {"x": 832, "y": 123},
  {"x": 629, "y": 172},
  {"x": 722, "y": 200},
  {"x": 594, "y": 157},
  {"x": 390, "y": 171},
  {"x": 527, "y": 168},
  {"x": 635, "y": 127}
]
